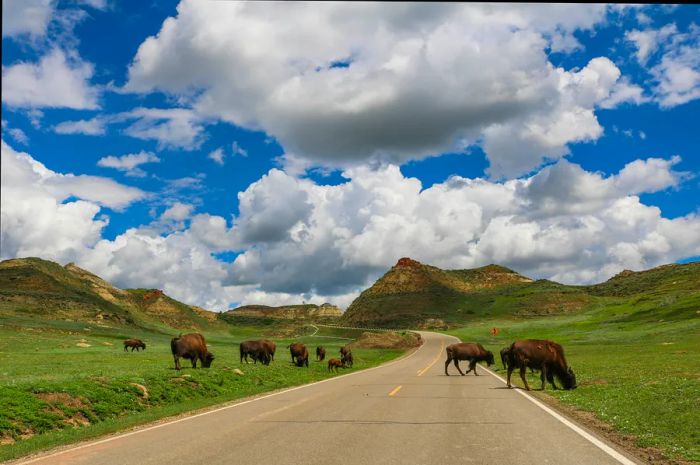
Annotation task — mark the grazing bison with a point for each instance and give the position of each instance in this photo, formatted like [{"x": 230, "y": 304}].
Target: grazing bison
[
  {"x": 474, "y": 352},
  {"x": 134, "y": 344},
  {"x": 300, "y": 354},
  {"x": 544, "y": 355},
  {"x": 271, "y": 348},
  {"x": 191, "y": 346},
  {"x": 344, "y": 350},
  {"x": 320, "y": 353},
  {"x": 347, "y": 359},
  {"x": 258, "y": 350},
  {"x": 335, "y": 363}
]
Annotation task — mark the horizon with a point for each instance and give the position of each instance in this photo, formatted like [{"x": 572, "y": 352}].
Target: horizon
[
  {"x": 340, "y": 307},
  {"x": 266, "y": 164}
]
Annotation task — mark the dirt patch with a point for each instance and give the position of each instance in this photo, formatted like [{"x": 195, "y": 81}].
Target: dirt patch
[
  {"x": 649, "y": 455},
  {"x": 54, "y": 399},
  {"x": 387, "y": 340},
  {"x": 142, "y": 388},
  {"x": 62, "y": 398},
  {"x": 6, "y": 439}
]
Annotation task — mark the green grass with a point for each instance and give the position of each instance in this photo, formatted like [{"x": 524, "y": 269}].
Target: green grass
[
  {"x": 639, "y": 374},
  {"x": 47, "y": 382}
]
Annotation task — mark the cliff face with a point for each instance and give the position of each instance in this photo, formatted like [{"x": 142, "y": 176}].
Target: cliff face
[{"x": 287, "y": 312}]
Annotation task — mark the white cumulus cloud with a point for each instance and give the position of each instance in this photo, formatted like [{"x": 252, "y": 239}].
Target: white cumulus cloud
[
  {"x": 364, "y": 81},
  {"x": 57, "y": 80},
  {"x": 53, "y": 215}
]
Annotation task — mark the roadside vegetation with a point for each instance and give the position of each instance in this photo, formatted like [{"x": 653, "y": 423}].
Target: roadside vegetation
[
  {"x": 636, "y": 370},
  {"x": 62, "y": 382}
]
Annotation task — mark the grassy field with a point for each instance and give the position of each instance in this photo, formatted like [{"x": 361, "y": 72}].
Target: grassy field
[
  {"x": 54, "y": 392},
  {"x": 640, "y": 376}
]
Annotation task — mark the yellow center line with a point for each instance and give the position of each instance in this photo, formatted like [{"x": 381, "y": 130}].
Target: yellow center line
[
  {"x": 396, "y": 389},
  {"x": 442, "y": 346}
]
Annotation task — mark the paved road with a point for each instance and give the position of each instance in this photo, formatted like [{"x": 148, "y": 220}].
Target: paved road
[{"x": 405, "y": 412}]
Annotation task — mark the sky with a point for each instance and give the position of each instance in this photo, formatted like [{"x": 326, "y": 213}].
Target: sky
[{"x": 275, "y": 153}]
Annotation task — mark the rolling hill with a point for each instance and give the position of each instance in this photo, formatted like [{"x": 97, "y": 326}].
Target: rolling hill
[
  {"x": 311, "y": 312},
  {"x": 44, "y": 290},
  {"x": 412, "y": 294}
]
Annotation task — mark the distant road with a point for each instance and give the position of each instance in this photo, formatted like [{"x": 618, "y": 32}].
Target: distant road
[{"x": 404, "y": 412}]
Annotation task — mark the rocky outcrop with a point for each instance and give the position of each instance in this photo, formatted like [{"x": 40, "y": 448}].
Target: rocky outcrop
[{"x": 287, "y": 312}]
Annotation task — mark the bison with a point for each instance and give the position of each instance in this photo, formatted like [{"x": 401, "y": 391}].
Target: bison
[
  {"x": 320, "y": 353},
  {"x": 271, "y": 348},
  {"x": 258, "y": 350},
  {"x": 347, "y": 359},
  {"x": 544, "y": 355},
  {"x": 474, "y": 352},
  {"x": 191, "y": 346},
  {"x": 300, "y": 354},
  {"x": 344, "y": 350},
  {"x": 335, "y": 363},
  {"x": 134, "y": 344}
]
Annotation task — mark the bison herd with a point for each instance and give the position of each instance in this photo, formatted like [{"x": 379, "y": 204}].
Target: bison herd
[
  {"x": 194, "y": 348},
  {"x": 545, "y": 356}
]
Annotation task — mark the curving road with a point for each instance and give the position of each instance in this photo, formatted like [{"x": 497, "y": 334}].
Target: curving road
[{"x": 403, "y": 412}]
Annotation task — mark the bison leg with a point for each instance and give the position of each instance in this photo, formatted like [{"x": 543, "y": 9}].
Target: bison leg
[
  {"x": 456, "y": 363},
  {"x": 177, "y": 362},
  {"x": 522, "y": 376},
  {"x": 543, "y": 375},
  {"x": 447, "y": 364},
  {"x": 510, "y": 372},
  {"x": 194, "y": 362},
  {"x": 472, "y": 366}
]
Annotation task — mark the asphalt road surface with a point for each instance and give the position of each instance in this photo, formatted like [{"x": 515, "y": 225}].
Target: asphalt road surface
[{"x": 404, "y": 412}]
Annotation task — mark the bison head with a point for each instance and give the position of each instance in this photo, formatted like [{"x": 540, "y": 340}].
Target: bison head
[
  {"x": 568, "y": 381},
  {"x": 489, "y": 358},
  {"x": 207, "y": 360},
  {"x": 143, "y": 345}
]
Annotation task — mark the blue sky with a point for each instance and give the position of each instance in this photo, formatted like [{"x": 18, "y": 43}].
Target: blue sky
[{"x": 563, "y": 143}]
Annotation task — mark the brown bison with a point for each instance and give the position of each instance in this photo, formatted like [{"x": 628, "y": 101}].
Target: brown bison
[
  {"x": 258, "y": 350},
  {"x": 474, "y": 352},
  {"x": 300, "y": 354},
  {"x": 335, "y": 363},
  {"x": 544, "y": 355},
  {"x": 271, "y": 348},
  {"x": 134, "y": 344},
  {"x": 320, "y": 353},
  {"x": 344, "y": 350},
  {"x": 347, "y": 359},
  {"x": 191, "y": 346}
]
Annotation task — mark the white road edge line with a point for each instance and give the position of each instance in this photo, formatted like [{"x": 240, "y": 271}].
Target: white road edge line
[
  {"x": 209, "y": 412},
  {"x": 592, "y": 439}
]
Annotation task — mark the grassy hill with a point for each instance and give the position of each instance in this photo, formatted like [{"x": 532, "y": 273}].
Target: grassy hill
[
  {"x": 42, "y": 290},
  {"x": 412, "y": 294}
]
